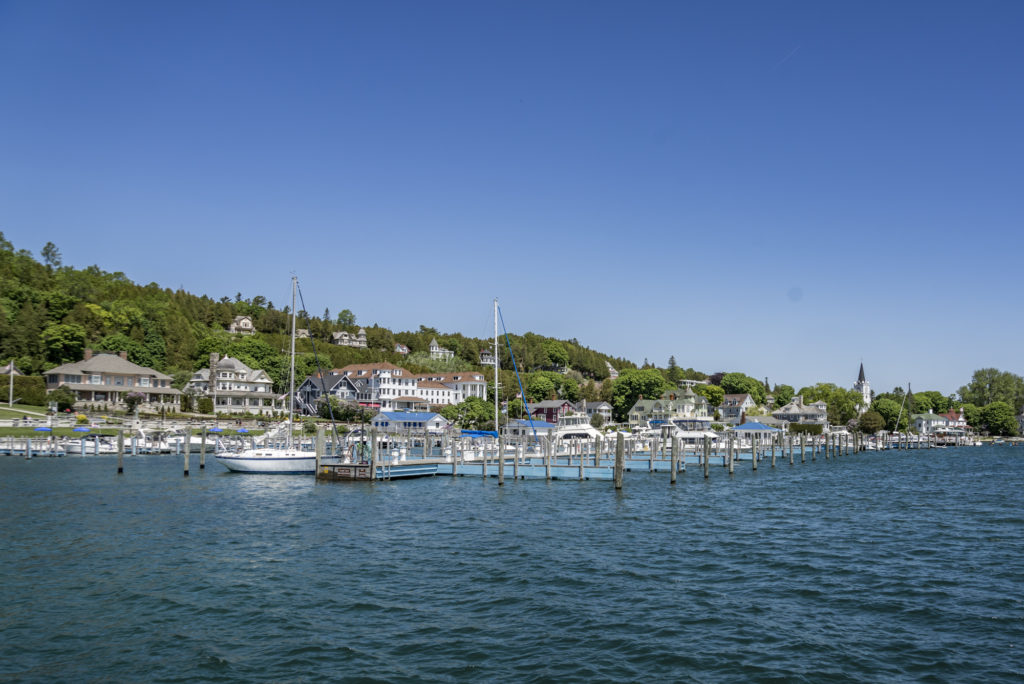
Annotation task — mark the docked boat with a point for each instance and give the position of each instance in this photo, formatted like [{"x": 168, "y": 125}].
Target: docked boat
[
  {"x": 287, "y": 460},
  {"x": 575, "y": 426}
]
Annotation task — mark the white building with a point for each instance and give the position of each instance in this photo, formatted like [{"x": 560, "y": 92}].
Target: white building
[
  {"x": 409, "y": 422},
  {"x": 864, "y": 387},
  {"x": 439, "y": 353},
  {"x": 236, "y": 387},
  {"x": 347, "y": 339},
  {"x": 241, "y": 325}
]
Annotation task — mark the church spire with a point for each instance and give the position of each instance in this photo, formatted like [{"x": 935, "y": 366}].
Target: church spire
[{"x": 860, "y": 378}]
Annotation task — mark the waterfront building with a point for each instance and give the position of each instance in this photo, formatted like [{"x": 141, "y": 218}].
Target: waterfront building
[
  {"x": 410, "y": 422},
  {"x": 599, "y": 408},
  {"x": 929, "y": 423},
  {"x": 551, "y": 410},
  {"x": 525, "y": 429},
  {"x": 341, "y": 387},
  {"x": 104, "y": 379},
  {"x": 685, "y": 409},
  {"x": 463, "y": 384},
  {"x": 401, "y": 349},
  {"x": 734, "y": 406},
  {"x": 236, "y": 388},
  {"x": 796, "y": 411},
  {"x": 241, "y": 325}
]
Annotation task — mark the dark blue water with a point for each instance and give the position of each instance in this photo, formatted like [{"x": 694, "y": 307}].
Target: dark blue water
[{"x": 875, "y": 567}]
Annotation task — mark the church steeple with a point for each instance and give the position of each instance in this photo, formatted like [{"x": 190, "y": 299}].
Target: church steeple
[{"x": 864, "y": 387}]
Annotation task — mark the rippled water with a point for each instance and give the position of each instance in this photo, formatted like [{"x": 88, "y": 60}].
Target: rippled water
[{"x": 873, "y": 567}]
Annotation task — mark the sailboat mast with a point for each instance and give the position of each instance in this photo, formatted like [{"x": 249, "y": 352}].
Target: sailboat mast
[
  {"x": 291, "y": 371},
  {"x": 496, "y": 365}
]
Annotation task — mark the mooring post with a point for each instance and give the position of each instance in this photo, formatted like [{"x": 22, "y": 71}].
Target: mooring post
[
  {"x": 753, "y": 450},
  {"x": 549, "y": 446},
  {"x": 186, "y": 450},
  {"x": 675, "y": 460},
  {"x": 520, "y": 448},
  {"x": 707, "y": 457},
  {"x": 120, "y": 452},
  {"x": 619, "y": 459},
  {"x": 501, "y": 461},
  {"x": 202, "y": 451},
  {"x": 319, "y": 449},
  {"x": 597, "y": 451},
  {"x": 790, "y": 437},
  {"x": 373, "y": 454},
  {"x": 773, "y": 449}
]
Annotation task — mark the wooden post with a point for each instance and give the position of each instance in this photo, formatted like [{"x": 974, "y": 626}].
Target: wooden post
[
  {"x": 774, "y": 436},
  {"x": 597, "y": 451},
  {"x": 582, "y": 444},
  {"x": 653, "y": 449},
  {"x": 319, "y": 449},
  {"x": 520, "y": 450},
  {"x": 619, "y": 457},
  {"x": 501, "y": 461},
  {"x": 120, "y": 452},
  {"x": 186, "y": 450},
  {"x": 753, "y": 449},
  {"x": 373, "y": 454},
  {"x": 707, "y": 457},
  {"x": 202, "y": 451},
  {"x": 549, "y": 446},
  {"x": 732, "y": 453},
  {"x": 675, "y": 460}
]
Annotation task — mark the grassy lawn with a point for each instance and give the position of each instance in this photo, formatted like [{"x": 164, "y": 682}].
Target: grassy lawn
[
  {"x": 57, "y": 432},
  {"x": 14, "y": 411}
]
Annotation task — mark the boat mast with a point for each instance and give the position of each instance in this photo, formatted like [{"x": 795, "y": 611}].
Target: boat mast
[
  {"x": 496, "y": 364},
  {"x": 291, "y": 372}
]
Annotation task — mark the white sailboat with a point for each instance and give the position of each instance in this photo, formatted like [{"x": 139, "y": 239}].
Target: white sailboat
[{"x": 290, "y": 459}]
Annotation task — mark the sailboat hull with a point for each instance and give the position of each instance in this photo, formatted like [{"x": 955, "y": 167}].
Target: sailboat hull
[{"x": 274, "y": 461}]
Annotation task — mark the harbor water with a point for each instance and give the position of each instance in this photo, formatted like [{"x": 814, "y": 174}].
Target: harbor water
[{"x": 879, "y": 566}]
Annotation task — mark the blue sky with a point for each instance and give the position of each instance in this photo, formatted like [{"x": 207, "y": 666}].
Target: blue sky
[{"x": 782, "y": 188}]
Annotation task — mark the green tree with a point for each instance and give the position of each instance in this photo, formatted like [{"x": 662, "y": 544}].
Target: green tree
[
  {"x": 870, "y": 422},
  {"x": 204, "y": 405},
  {"x": 972, "y": 414},
  {"x": 842, "y": 403},
  {"x": 556, "y": 354},
  {"x": 64, "y": 397},
  {"x": 738, "y": 383},
  {"x": 631, "y": 385},
  {"x": 713, "y": 393},
  {"x": 922, "y": 403},
  {"x": 999, "y": 418},
  {"x": 347, "y": 319},
  {"x": 783, "y": 395},
  {"x": 64, "y": 343},
  {"x": 597, "y": 420},
  {"x": 989, "y": 385},
  {"x": 132, "y": 401},
  {"x": 674, "y": 373},
  {"x": 51, "y": 255},
  {"x": 539, "y": 388},
  {"x": 890, "y": 411}
]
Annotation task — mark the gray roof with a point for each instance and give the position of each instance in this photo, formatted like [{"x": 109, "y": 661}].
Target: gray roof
[
  {"x": 550, "y": 403},
  {"x": 118, "y": 388},
  {"x": 106, "y": 363}
]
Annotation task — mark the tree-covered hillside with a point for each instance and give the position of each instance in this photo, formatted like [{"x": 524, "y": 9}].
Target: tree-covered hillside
[{"x": 49, "y": 314}]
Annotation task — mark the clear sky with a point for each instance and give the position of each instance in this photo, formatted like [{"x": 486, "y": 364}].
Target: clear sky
[{"x": 780, "y": 188}]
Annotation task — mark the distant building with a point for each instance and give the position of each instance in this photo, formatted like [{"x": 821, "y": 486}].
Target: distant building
[
  {"x": 864, "y": 388},
  {"x": 929, "y": 423},
  {"x": 803, "y": 414},
  {"x": 439, "y": 353},
  {"x": 104, "y": 380},
  {"x": 486, "y": 357},
  {"x": 241, "y": 325},
  {"x": 409, "y": 422},
  {"x": 551, "y": 410},
  {"x": 302, "y": 333},
  {"x": 347, "y": 339},
  {"x": 9, "y": 369},
  {"x": 612, "y": 373},
  {"x": 734, "y": 406},
  {"x": 401, "y": 349},
  {"x": 596, "y": 408}
]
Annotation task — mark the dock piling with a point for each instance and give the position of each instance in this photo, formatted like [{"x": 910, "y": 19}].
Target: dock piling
[
  {"x": 619, "y": 460},
  {"x": 120, "y": 452}
]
